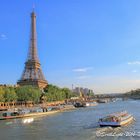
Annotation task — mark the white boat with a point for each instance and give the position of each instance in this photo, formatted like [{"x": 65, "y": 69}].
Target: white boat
[{"x": 116, "y": 119}]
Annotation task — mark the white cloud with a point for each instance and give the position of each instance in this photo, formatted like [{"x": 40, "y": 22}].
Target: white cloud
[
  {"x": 3, "y": 37},
  {"x": 134, "y": 63},
  {"x": 82, "y": 69}
]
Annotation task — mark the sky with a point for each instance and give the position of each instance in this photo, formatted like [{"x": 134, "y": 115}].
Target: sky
[{"x": 88, "y": 43}]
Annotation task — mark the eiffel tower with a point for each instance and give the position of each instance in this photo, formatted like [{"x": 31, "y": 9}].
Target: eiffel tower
[{"x": 32, "y": 74}]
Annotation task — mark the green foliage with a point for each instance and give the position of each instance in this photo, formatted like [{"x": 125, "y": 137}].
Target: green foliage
[
  {"x": 133, "y": 94},
  {"x": 54, "y": 93},
  {"x": 28, "y": 93},
  {"x": 7, "y": 94},
  {"x": 10, "y": 94},
  {"x": 2, "y": 99},
  {"x": 90, "y": 93}
]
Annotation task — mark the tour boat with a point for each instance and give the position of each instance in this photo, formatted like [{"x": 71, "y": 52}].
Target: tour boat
[{"x": 116, "y": 119}]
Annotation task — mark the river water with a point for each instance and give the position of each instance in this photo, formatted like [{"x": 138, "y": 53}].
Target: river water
[{"x": 79, "y": 124}]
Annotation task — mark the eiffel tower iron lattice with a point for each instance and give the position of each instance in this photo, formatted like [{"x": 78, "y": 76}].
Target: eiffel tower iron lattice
[{"x": 32, "y": 74}]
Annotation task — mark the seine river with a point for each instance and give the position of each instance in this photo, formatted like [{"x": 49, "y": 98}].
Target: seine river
[{"x": 79, "y": 124}]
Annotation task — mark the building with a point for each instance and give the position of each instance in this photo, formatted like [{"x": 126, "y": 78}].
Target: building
[
  {"x": 85, "y": 91},
  {"x": 32, "y": 74}
]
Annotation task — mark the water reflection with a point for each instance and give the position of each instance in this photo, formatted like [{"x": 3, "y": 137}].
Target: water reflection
[{"x": 27, "y": 120}]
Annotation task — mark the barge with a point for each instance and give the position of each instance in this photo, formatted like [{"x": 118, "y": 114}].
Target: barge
[{"x": 4, "y": 115}]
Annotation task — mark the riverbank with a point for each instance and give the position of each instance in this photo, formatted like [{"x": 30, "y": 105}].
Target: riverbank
[{"x": 34, "y": 111}]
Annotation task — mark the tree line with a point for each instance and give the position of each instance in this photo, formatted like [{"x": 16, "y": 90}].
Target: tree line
[
  {"x": 135, "y": 94},
  {"x": 30, "y": 93}
]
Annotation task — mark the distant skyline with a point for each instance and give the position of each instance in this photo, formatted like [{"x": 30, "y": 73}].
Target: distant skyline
[{"x": 88, "y": 43}]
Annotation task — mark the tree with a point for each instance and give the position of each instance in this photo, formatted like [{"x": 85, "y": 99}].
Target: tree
[
  {"x": 54, "y": 93},
  {"x": 28, "y": 93},
  {"x": 2, "y": 95},
  {"x": 67, "y": 92},
  {"x": 10, "y": 94},
  {"x": 90, "y": 93}
]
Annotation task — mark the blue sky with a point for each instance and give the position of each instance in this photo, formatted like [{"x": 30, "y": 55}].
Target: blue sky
[{"x": 88, "y": 43}]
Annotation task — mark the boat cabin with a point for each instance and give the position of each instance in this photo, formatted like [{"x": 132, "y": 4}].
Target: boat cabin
[{"x": 116, "y": 119}]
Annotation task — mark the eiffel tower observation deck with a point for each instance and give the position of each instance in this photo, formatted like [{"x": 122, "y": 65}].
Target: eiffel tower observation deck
[{"x": 32, "y": 74}]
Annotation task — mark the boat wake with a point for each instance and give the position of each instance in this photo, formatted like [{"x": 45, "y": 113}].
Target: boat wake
[{"x": 91, "y": 126}]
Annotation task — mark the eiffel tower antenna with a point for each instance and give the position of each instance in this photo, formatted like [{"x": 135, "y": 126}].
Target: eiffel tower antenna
[
  {"x": 32, "y": 74},
  {"x": 33, "y": 7}
]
